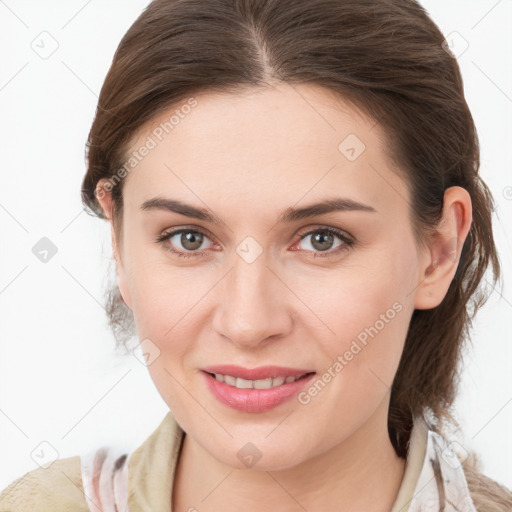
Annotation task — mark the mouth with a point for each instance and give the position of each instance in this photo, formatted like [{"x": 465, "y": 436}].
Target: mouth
[
  {"x": 255, "y": 395},
  {"x": 270, "y": 382},
  {"x": 255, "y": 390},
  {"x": 231, "y": 374}
]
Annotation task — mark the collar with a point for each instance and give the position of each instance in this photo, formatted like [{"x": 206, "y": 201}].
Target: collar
[
  {"x": 434, "y": 478},
  {"x": 142, "y": 481}
]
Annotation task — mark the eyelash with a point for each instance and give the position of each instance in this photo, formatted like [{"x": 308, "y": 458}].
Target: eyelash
[{"x": 347, "y": 242}]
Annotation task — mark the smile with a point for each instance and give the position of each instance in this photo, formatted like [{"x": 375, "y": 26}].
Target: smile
[
  {"x": 255, "y": 384},
  {"x": 255, "y": 395}
]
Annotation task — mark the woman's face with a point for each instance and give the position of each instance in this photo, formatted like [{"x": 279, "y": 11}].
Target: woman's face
[{"x": 267, "y": 285}]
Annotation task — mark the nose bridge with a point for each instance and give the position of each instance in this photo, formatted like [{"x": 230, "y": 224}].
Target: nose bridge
[{"x": 251, "y": 306}]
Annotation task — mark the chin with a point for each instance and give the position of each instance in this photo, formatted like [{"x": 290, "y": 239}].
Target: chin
[{"x": 256, "y": 457}]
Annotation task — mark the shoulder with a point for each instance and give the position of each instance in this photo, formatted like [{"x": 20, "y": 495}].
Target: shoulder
[
  {"x": 53, "y": 489},
  {"x": 487, "y": 494}
]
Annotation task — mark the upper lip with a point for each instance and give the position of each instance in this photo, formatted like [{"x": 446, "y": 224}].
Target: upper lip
[{"x": 263, "y": 372}]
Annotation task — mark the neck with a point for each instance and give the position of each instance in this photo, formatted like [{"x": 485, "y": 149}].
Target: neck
[{"x": 362, "y": 473}]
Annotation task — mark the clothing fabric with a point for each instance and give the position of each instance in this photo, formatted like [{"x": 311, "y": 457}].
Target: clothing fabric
[{"x": 105, "y": 480}]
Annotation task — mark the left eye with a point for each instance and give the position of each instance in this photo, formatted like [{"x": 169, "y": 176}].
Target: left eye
[{"x": 190, "y": 240}]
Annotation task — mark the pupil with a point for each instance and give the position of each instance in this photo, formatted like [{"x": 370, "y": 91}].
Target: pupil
[
  {"x": 322, "y": 241},
  {"x": 195, "y": 240}
]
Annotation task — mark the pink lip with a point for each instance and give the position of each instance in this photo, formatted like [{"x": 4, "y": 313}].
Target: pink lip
[
  {"x": 254, "y": 400},
  {"x": 263, "y": 372}
]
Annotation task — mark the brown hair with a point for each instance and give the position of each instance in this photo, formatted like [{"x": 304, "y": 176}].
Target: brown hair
[{"x": 387, "y": 58}]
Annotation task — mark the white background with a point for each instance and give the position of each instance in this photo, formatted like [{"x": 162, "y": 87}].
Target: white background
[{"x": 61, "y": 381}]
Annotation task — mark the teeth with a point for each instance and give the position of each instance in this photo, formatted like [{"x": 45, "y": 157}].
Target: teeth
[
  {"x": 243, "y": 384},
  {"x": 278, "y": 381},
  {"x": 230, "y": 380},
  {"x": 254, "y": 384}
]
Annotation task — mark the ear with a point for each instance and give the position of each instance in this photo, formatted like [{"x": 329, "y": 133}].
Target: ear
[
  {"x": 442, "y": 255},
  {"x": 103, "y": 194}
]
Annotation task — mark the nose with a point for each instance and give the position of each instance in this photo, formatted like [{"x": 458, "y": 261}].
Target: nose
[{"x": 253, "y": 304}]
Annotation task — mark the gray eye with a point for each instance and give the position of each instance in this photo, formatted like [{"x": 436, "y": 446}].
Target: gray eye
[
  {"x": 189, "y": 240},
  {"x": 321, "y": 241}
]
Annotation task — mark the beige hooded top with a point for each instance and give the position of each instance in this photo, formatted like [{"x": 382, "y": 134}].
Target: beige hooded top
[{"x": 141, "y": 481}]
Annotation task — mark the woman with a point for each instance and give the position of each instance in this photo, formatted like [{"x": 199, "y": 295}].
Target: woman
[{"x": 300, "y": 235}]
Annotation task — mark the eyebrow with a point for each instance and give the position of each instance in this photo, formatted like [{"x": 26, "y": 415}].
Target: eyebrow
[{"x": 289, "y": 215}]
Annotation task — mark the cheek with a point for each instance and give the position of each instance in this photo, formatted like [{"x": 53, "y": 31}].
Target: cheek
[
  {"x": 165, "y": 310},
  {"x": 360, "y": 360},
  {"x": 169, "y": 309},
  {"x": 367, "y": 309},
  {"x": 163, "y": 307},
  {"x": 161, "y": 292},
  {"x": 369, "y": 327}
]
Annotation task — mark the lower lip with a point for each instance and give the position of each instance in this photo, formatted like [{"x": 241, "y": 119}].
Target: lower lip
[{"x": 254, "y": 400}]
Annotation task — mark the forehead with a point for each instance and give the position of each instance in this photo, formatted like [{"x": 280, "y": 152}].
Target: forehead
[{"x": 279, "y": 143}]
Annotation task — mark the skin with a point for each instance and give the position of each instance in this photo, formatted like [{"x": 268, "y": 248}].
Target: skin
[{"x": 248, "y": 157}]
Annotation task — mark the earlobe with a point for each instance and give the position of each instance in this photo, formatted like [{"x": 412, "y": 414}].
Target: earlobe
[
  {"x": 123, "y": 287},
  {"x": 444, "y": 250}
]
